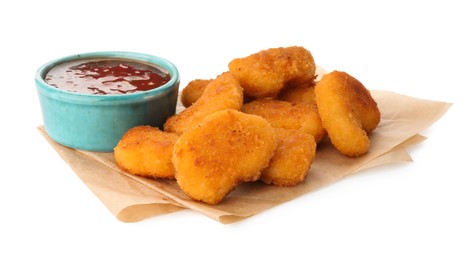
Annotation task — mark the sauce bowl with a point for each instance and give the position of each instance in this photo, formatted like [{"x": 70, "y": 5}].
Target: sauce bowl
[{"x": 97, "y": 122}]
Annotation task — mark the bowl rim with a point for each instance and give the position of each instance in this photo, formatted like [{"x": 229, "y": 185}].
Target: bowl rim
[{"x": 134, "y": 56}]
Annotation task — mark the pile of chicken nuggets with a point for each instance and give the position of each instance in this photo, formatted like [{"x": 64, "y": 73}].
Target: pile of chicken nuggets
[{"x": 261, "y": 120}]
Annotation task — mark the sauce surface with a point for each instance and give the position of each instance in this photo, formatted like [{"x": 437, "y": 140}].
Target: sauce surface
[{"x": 106, "y": 76}]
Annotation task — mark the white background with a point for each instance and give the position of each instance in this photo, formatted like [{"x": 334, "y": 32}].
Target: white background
[{"x": 419, "y": 210}]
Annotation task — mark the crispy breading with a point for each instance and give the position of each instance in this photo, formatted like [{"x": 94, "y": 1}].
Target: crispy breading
[
  {"x": 299, "y": 94},
  {"x": 146, "y": 151},
  {"x": 227, "y": 148},
  {"x": 266, "y": 73},
  {"x": 298, "y": 116},
  {"x": 222, "y": 93},
  {"x": 348, "y": 112},
  {"x": 193, "y": 91},
  {"x": 292, "y": 160}
]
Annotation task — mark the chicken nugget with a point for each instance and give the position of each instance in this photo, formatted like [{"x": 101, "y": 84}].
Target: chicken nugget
[
  {"x": 292, "y": 160},
  {"x": 299, "y": 94},
  {"x": 282, "y": 114},
  {"x": 193, "y": 91},
  {"x": 266, "y": 73},
  {"x": 146, "y": 151},
  {"x": 222, "y": 93},
  {"x": 348, "y": 112},
  {"x": 227, "y": 148}
]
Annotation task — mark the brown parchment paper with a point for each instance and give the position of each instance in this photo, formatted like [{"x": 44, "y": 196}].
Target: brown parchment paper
[{"x": 132, "y": 198}]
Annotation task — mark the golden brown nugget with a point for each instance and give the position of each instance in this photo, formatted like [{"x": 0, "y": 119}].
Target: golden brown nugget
[
  {"x": 222, "y": 93},
  {"x": 300, "y": 94},
  {"x": 292, "y": 160},
  {"x": 146, "y": 151},
  {"x": 282, "y": 114},
  {"x": 227, "y": 148},
  {"x": 193, "y": 91},
  {"x": 348, "y": 112},
  {"x": 266, "y": 73}
]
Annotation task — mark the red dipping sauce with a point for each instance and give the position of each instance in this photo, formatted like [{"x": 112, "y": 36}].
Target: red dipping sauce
[{"x": 106, "y": 76}]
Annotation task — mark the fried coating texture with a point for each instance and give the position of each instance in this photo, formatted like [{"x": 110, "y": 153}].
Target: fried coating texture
[
  {"x": 193, "y": 91},
  {"x": 348, "y": 112},
  {"x": 227, "y": 148},
  {"x": 292, "y": 160},
  {"x": 266, "y": 73},
  {"x": 222, "y": 93},
  {"x": 146, "y": 151},
  {"x": 300, "y": 94},
  {"x": 282, "y": 114}
]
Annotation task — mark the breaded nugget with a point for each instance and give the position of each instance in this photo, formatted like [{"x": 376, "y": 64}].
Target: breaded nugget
[
  {"x": 300, "y": 94},
  {"x": 146, "y": 151},
  {"x": 222, "y": 93},
  {"x": 193, "y": 91},
  {"x": 265, "y": 73},
  {"x": 348, "y": 112},
  {"x": 292, "y": 160},
  {"x": 298, "y": 116},
  {"x": 227, "y": 148}
]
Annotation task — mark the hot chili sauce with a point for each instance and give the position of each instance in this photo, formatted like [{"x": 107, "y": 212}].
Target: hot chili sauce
[{"x": 106, "y": 76}]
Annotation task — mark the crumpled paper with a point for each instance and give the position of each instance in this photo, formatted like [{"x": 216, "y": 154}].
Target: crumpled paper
[{"x": 132, "y": 198}]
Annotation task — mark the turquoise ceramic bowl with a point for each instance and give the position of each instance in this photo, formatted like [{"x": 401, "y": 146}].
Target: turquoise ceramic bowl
[{"x": 98, "y": 122}]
